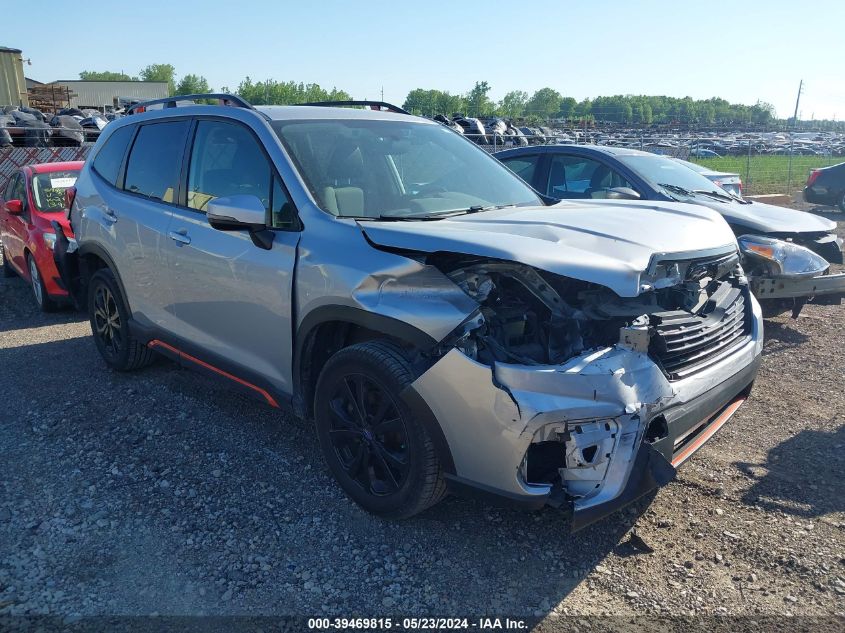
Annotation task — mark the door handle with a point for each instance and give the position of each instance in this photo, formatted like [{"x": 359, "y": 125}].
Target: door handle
[{"x": 180, "y": 237}]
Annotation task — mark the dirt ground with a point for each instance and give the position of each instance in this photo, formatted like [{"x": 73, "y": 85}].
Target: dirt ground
[{"x": 164, "y": 493}]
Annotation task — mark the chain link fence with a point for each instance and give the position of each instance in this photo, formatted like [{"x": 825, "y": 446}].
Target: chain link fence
[{"x": 13, "y": 158}]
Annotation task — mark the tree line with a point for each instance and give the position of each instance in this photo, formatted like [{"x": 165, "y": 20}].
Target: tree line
[
  {"x": 269, "y": 92},
  {"x": 546, "y": 104}
]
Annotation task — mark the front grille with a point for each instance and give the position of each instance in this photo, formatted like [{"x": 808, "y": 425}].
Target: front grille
[{"x": 684, "y": 343}]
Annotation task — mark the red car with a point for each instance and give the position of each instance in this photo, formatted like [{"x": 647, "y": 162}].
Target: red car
[{"x": 34, "y": 197}]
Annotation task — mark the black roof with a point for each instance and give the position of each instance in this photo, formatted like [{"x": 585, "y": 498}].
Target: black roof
[{"x": 6, "y": 49}]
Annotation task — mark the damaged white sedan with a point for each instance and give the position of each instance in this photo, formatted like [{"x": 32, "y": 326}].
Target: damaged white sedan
[{"x": 444, "y": 327}]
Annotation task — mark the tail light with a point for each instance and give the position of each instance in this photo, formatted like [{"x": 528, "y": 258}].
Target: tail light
[{"x": 814, "y": 175}]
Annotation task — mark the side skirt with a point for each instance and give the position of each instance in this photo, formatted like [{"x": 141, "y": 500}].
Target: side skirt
[{"x": 189, "y": 356}]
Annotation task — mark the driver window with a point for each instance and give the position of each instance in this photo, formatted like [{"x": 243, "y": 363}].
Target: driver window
[
  {"x": 19, "y": 193},
  {"x": 579, "y": 177},
  {"x": 9, "y": 194},
  {"x": 226, "y": 160}
]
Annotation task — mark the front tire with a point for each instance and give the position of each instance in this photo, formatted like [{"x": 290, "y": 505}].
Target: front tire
[
  {"x": 377, "y": 450},
  {"x": 110, "y": 325},
  {"x": 39, "y": 291}
]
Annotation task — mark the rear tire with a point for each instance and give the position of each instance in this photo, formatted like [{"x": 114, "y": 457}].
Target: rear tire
[
  {"x": 110, "y": 325},
  {"x": 841, "y": 204},
  {"x": 378, "y": 452},
  {"x": 39, "y": 292}
]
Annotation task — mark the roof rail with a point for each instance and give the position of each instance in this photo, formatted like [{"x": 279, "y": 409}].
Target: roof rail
[
  {"x": 373, "y": 105},
  {"x": 171, "y": 102}
]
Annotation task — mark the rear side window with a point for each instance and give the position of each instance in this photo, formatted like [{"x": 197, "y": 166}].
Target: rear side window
[
  {"x": 155, "y": 160},
  {"x": 108, "y": 159}
]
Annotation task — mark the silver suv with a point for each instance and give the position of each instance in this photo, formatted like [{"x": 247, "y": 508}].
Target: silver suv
[{"x": 444, "y": 327}]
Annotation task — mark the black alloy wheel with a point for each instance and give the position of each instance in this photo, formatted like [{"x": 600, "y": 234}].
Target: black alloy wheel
[
  {"x": 368, "y": 435},
  {"x": 375, "y": 444},
  {"x": 108, "y": 326}
]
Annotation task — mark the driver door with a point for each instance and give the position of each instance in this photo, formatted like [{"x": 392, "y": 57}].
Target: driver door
[
  {"x": 16, "y": 226},
  {"x": 232, "y": 299}
]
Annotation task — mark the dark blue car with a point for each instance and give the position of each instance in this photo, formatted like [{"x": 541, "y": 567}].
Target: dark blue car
[
  {"x": 777, "y": 242},
  {"x": 593, "y": 171}
]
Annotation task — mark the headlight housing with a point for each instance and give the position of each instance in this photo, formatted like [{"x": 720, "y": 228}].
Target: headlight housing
[
  {"x": 785, "y": 258},
  {"x": 50, "y": 240}
]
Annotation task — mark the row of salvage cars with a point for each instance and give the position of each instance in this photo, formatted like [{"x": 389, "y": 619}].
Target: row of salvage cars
[
  {"x": 21, "y": 126},
  {"x": 472, "y": 335}
]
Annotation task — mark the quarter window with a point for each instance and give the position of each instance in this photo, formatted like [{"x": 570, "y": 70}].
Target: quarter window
[
  {"x": 226, "y": 160},
  {"x": 283, "y": 215},
  {"x": 155, "y": 160},
  {"x": 523, "y": 166},
  {"x": 109, "y": 158}
]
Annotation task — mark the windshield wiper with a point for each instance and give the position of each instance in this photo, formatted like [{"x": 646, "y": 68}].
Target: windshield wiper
[
  {"x": 715, "y": 194},
  {"x": 675, "y": 189},
  {"x": 436, "y": 215}
]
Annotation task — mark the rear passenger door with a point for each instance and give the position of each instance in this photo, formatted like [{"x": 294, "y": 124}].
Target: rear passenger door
[
  {"x": 233, "y": 298},
  {"x": 138, "y": 210}
]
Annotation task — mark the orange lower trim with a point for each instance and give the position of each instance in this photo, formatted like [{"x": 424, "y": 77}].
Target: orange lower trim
[
  {"x": 270, "y": 400},
  {"x": 705, "y": 435}
]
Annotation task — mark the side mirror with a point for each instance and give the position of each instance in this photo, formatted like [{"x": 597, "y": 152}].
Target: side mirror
[
  {"x": 15, "y": 207},
  {"x": 70, "y": 195},
  {"x": 622, "y": 193},
  {"x": 232, "y": 213},
  {"x": 242, "y": 211}
]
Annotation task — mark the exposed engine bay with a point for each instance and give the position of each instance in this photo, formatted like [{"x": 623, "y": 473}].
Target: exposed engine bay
[{"x": 533, "y": 318}]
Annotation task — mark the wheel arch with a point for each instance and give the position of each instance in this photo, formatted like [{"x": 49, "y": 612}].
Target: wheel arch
[
  {"x": 329, "y": 329},
  {"x": 92, "y": 258}
]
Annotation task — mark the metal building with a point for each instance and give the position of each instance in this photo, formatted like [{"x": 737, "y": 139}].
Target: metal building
[
  {"x": 12, "y": 82},
  {"x": 96, "y": 94}
]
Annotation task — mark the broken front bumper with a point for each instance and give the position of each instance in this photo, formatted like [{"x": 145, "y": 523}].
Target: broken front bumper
[
  {"x": 619, "y": 424},
  {"x": 828, "y": 286}
]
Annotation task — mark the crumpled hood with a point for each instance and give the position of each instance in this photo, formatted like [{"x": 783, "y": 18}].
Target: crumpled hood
[
  {"x": 768, "y": 218},
  {"x": 609, "y": 242}
]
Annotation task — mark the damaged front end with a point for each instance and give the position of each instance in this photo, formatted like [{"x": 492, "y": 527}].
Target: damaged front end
[
  {"x": 559, "y": 391},
  {"x": 784, "y": 275}
]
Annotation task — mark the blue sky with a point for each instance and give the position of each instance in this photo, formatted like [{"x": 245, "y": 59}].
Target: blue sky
[{"x": 742, "y": 51}]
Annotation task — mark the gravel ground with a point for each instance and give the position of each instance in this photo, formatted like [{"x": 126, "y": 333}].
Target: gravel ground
[{"x": 163, "y": 492}]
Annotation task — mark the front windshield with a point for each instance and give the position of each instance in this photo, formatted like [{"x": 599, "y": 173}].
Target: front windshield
[
  {"x": 661, "y": 171},
  {"x": 48, "y": 190},
  {"x": 388, "y": 169}
]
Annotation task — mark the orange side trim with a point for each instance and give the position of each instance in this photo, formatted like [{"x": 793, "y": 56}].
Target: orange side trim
[
  {"x": 709, "y": 432},
  {"x": 270, "y": 400}
]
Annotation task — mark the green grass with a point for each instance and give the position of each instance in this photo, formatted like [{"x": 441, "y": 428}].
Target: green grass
[{"x": 769, "y": 174}]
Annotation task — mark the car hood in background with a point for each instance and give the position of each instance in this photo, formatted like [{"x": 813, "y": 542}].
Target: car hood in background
[
  {"x": 609, "y": 242},
  {"x": 768, "y": 218}
]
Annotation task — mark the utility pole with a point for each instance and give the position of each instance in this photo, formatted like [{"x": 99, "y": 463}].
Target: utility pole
[
  {"x": 382, "y": 93},
  {"x": 792, "y": 137}
]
